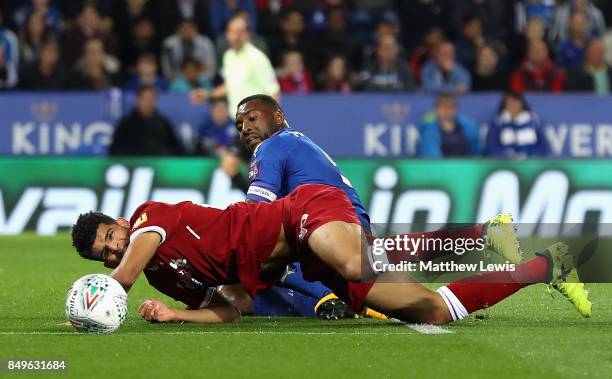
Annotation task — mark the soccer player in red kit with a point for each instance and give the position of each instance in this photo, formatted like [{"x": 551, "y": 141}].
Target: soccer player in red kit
[{"x": 251, "y": 243}]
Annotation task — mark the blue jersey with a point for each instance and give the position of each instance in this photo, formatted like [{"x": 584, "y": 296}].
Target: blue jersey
[{"x": 289, "y": 159}]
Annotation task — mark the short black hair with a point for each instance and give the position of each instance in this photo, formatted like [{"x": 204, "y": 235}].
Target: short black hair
[
  {"x": 144, "y": 88},
  {"x": 85, "y": 229},
  {"x": 269, "y": 100}
]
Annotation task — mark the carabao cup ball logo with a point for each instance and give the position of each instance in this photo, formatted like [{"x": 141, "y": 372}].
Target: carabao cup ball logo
[{"x": 93, "y": 294}]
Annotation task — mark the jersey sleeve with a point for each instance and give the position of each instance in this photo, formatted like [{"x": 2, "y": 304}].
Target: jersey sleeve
[
  {"x": 266, "y": 174},
  {"x": 157, "y": 217}
]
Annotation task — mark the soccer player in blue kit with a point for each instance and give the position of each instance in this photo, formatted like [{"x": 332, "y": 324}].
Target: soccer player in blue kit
[{"x": 283, "y": 159}]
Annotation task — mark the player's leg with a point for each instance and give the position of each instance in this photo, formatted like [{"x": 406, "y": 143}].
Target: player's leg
[
  {"x": 341, "y": 246},
  {"x": 554, "y": 266}
]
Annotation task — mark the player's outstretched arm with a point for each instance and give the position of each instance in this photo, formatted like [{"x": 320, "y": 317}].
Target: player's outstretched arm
[
  {"x": 138, "y": 254},
  {"x": 219, "y": 311}
]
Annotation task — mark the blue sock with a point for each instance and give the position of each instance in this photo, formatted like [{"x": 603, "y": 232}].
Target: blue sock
[
  {"x": 295, "y": 280},
  {"x": 282, "y": 301}
]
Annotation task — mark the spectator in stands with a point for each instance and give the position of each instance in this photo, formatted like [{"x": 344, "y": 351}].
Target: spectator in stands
[
  {"x": 190, "y": 78},
  {"x": 147, "y": 75},
  {"x": 293, "y": 77},
  {"x": 32, "y": 38},
  {"x": 336, "y": 39},
  {"x": 127, "y": 13},
  {"x": 134, "y": 22},
  {"x": 469, "y": 41},
  {"x": 142, "y": 40},
  {"x": 222, "y": 10},
  {"x": 47, "y": 72},
  {"x": 217, "y": 130},
  {"x": 516, "y": 131},
  {"x": 171, "y": 12},
  {"x": 9, "y": 51},
  {"x": 607, "y": 39},
  {"x": 417, "y": 17},
  {"x": 290, "y": 37},
  {"x": 388, "y": 73},
  {"x": 517, "y": 48},
  {"x": 488, "y": 76},
  {"x": 425, "y": 52},
  {"x": 444, "y": 74},
  {"x": 337, "y": 76},
  {"x": 88, "y": 26},
  {"x": 384, "y": 27},
  {"x": 6, "y": 81},
  {"x": 145, "y": 131},
  {"x": 561, "y": 27},
  {"x": 445, "y": 133},
  {"x": 188, "y": 44},
  {"x": 538, "y": 72},
  {"x": 571, "y": 51},
  {"x": 492, "y": 13},
  {"x": 245, "y": 70},
  {"x": 595, "y": 75},
  {"x": 90, "y": 72},
  {"x": 51, "y": 16},
  {"x": 525, "y": 10}
]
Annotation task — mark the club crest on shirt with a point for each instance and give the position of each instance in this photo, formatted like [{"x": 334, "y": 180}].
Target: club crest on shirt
[
  {"x": 253, "y": 170},
  {"x": 141, "y": 220}
]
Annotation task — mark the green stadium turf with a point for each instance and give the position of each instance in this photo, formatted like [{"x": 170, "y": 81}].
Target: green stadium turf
[{"x": 530, "y": 335}]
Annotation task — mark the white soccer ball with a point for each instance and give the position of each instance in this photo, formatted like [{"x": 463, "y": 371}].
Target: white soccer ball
[{"x": 96, "y": 303}]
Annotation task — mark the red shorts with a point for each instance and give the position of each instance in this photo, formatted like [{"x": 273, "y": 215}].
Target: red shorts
[{"x": 305, "y": 209}]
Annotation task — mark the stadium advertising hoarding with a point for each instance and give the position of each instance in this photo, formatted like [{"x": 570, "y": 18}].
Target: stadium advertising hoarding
[
  {"x": 383, "y": 126},
  {"x": 46, "y": 194}
]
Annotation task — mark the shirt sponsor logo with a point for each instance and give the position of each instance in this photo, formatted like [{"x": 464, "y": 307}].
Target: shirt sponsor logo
[
  {"x": 253, "y": 170},
  {"x": 141, "y": 220}
]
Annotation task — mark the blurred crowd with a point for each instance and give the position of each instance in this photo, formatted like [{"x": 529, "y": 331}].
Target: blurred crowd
[{"x": 432, "y": 46}]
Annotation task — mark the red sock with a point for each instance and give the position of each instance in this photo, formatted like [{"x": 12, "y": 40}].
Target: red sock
[
  {"x": 480, "y": 291},
  {"x": 357, "y": 293},
  {"x": 472, "y": 232}
]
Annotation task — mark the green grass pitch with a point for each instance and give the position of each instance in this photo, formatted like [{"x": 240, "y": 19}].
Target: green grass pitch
[{"x": 529, "y": 335}]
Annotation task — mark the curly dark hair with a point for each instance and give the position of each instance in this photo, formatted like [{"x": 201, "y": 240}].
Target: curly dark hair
[{"x": 84, "y": 232}]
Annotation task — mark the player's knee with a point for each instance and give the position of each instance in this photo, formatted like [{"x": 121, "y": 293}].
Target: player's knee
[{"x": 351, "y": 270}]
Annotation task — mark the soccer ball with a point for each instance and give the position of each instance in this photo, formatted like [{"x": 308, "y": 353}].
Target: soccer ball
[{"x": 96, "y": 303}]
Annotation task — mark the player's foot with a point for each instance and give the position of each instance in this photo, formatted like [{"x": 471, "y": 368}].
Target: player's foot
[
  {"x": 371, "y": 313},
  {"x": 565, "y": 277},
  {"x": 332, "y": 308},
  {"x": 500, "y": 237}
]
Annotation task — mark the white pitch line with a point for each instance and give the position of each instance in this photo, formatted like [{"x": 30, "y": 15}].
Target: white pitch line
[
  {"x": 210, "y": 332},
  {"x": 429, "y": 329}
]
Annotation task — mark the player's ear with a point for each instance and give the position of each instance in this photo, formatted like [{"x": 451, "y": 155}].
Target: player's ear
[
  {"x": 279, "y": 117},
  {"x": 123, "y": 222}
]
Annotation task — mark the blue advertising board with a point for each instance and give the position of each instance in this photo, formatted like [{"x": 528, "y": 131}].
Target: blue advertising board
[{"x": 357, "y": 125}]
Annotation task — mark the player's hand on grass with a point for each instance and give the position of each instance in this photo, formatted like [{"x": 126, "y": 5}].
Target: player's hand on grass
[{"x": 156, "y": 311}]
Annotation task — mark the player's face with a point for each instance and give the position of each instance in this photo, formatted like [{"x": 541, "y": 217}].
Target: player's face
[
  {"x": 256, "y": 122},
  {"x": 111, "y": 243}
]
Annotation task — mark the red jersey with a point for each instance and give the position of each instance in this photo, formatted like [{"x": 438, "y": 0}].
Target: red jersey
[{"x": 201, "y": 247}]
